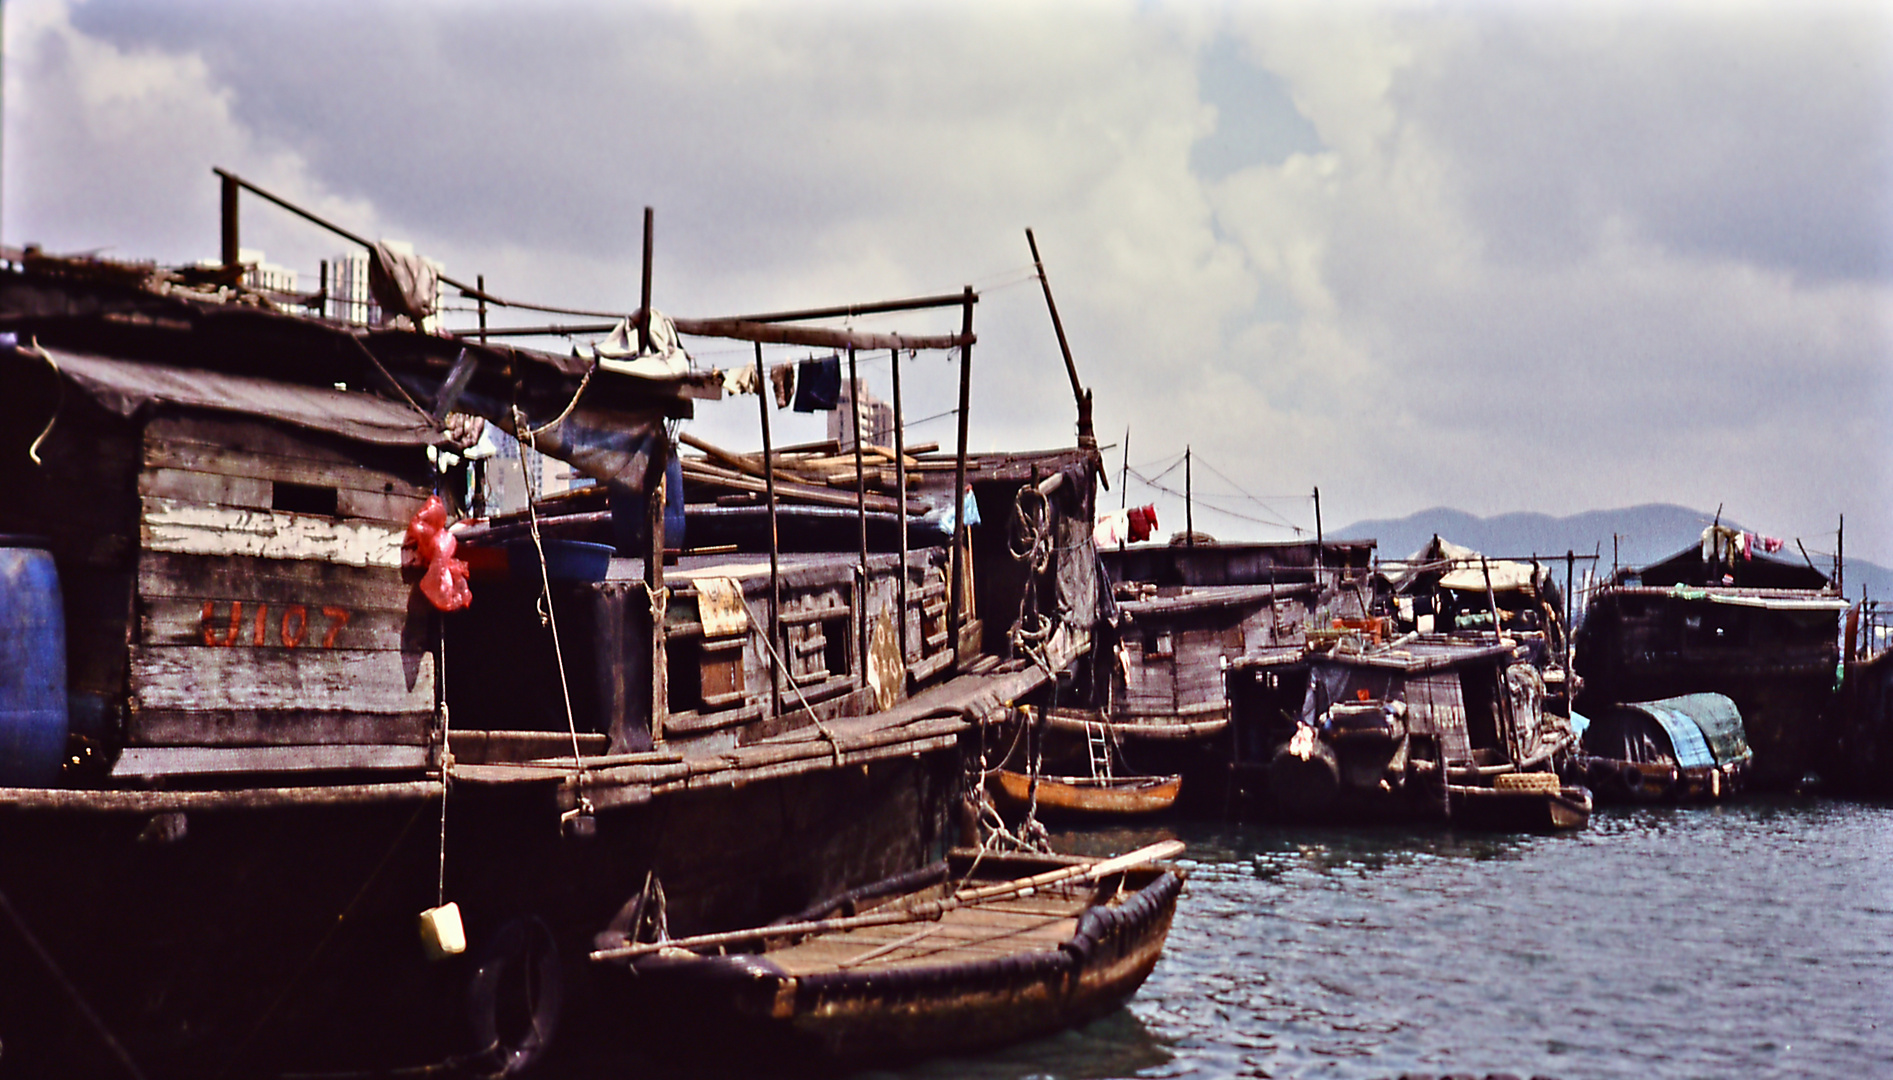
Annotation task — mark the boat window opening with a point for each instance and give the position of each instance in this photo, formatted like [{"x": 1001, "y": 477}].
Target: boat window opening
[
  {"x": 1160, "y": 643},
  {"x": 835, "y": 648},
  {"x": 303, "y": 499},
  {"x": 1479, "y": 691},
  {"x": 685, "y": 659}
]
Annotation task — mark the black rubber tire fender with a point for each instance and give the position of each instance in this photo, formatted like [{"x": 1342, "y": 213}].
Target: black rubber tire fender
[{"x": 521, "y": 962}]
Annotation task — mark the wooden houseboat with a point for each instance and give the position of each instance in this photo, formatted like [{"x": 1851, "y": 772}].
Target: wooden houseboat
[
  {"x": 1446, "y": 587},
  {"x": 257, "y": 749},
  {"x": 1709, "y": 619},
  {"x": 1423, "y": 727},
  {"x": 1682, "y": 749},
  {"x": 1183, "y": 613}
]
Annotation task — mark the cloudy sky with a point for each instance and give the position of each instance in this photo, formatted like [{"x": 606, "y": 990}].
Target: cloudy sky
[{"x": 1496, "y": 256}]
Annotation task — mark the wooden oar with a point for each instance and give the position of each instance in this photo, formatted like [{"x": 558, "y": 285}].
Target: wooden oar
[
  {"x": 1094, "y": 871},
  {"x": 932, "y": 909}
]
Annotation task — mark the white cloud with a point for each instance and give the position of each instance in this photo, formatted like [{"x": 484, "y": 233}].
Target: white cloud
[
  {"x": 1545, "y": 258},
  {"x": 111, "y": 147}
]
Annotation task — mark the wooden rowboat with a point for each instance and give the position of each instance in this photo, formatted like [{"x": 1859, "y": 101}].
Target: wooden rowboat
[
  {"x": 973, "y": 952},
  {"x": 1085, "y": 796}
]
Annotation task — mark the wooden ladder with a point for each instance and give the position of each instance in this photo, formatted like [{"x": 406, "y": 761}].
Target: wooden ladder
[{"x": 1100, "y": 750}]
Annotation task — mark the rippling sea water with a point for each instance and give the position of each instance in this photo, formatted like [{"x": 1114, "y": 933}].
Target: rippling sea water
[{"x": 1748, "y": 940}]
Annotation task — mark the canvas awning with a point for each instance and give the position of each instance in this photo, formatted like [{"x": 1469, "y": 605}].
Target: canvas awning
[
  {"x": 1704, "y": 729},
  {"x": 127, "y": 386},
  {"x": 1461, "y": 568}
]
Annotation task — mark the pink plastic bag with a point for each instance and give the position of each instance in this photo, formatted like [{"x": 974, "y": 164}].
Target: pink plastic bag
[{"x": 428, "y": 544}]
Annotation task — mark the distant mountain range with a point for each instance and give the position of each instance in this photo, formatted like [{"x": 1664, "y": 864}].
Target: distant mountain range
[{"x": 1643, "y": 534}]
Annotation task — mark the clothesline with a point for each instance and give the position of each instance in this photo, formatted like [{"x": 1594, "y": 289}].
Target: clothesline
[{"x": 1205, "y": 500}]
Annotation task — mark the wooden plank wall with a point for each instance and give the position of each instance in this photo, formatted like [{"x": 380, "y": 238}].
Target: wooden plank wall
[
  {"x": 1436, "y": 706},
  {"x": 717, "y": 685},
  {"x": 1151, "y": 686},
  {"x": 260, "y": 622}
]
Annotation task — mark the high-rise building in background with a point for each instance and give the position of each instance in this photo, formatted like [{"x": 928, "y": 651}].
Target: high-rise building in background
[
  {"x": 259, "y": 273},
  {"x": 506, "y": 480},
  {"x": 349, "y": 297},
  {"x": 861, "y": 411}
]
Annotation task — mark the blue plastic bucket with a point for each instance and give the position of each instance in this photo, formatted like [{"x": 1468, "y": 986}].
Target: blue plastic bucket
[
  {"x": 32, "y": 668},
  {"x": 566, "y": 560}
]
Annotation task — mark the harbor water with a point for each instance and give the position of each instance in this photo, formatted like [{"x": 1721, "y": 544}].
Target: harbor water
[{"x": 1747, "y": 940}]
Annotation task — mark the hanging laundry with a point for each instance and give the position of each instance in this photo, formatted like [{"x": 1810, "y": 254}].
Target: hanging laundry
[
  {"x": 1719, "y": 545},
  {"x": 1143, "y": 522},
  {"x": 818, "y": 384},
  {"x": 1113, "y": 528},
  {"x": 403, "y": 283},
  {"x": 619, "y": 351},
  {"x": 941, "y": 517},
  {"x": 742, "y": 380},
  {"x": 1772, "y": 544},
  {"x": 782, "y": 378}
]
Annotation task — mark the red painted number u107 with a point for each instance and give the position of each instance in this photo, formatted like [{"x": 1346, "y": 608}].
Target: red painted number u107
[{"x": 288, "y": 627}]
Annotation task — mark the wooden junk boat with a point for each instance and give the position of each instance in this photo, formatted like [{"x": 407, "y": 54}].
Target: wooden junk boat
[
  {"x": 973, "y": 952},
  {"x": 250, "y": 748},
  {"x": 1423, "y": 727},
  {"x": 1183, "y": 612},
  {"x": 1446, "y": 588},
  {"x": 1722, "y": 618},
  {"x": 1680, "y": 749}
]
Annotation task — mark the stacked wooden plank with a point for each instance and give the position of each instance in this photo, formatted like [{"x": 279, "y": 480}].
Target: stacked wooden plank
[{"x": 813, "y": 473}]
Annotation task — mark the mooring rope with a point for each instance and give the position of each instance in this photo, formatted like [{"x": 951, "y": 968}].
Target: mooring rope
[{"x": 79, "y": 1002}]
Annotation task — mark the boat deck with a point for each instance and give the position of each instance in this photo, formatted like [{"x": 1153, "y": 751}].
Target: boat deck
[{"x": 979, "y": 932}]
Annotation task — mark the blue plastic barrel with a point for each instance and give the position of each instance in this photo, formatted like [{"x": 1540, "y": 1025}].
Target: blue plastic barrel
[{"x": 32, "y": 668}]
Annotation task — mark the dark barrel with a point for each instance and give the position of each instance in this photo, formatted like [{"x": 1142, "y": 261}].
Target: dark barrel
[{"x": 32, "y": 667}]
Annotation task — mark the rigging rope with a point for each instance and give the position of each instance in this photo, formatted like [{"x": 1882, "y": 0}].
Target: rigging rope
[
  {"x": 834, "y": 747},
  {"x": 547, "y": 616}
]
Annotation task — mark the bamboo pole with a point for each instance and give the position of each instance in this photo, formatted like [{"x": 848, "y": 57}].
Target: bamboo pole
[
  {"x": 956, "y": 599},
  {"x": 1086, "y": 437},
  {"x": 900, "y": 486},
  {"x": 819, "y": 496},
  {"x": 644, "y": 288},
  {"x": 1189, "y": 513},
  {"x": 775, "y": 570},
  {"x": 861, "y": 514}
]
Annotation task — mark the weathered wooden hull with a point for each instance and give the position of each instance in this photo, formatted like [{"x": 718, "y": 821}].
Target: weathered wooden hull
[
  {"x": 1072, "y": 797},
  {"x": 1419, "y": 800},
  {"x": 743, "y": 1010},
  {"x": 250, "y": 939},
  {"x": 1521, "y": 811},
  {"x": 1863, "y": 762},
  {"x": 1615, "y": 781}
]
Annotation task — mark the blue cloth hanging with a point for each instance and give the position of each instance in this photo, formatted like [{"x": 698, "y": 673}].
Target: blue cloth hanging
[{"x": 818, "y": 384}]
